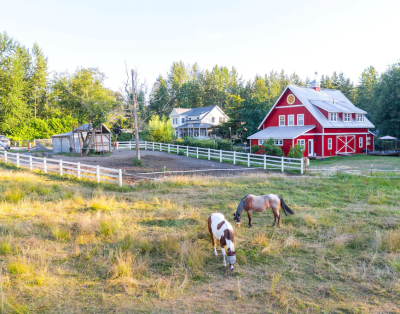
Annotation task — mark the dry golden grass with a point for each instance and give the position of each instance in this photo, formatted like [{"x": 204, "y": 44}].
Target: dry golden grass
[{"x": 148, "y": 249}]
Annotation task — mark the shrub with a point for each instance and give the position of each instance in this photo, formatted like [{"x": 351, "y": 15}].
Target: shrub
[
  {"x": 271, "y": 149},
  {"x": 160, "y": 130},
  {"x": 123, "y": 137},
  {"x": 255, "y": 149},
  {"x": 137, "y": 162},
  {"x": 295, "y": 152}
]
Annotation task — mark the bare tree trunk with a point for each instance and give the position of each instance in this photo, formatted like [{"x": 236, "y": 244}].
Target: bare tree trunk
[{"x": 135, "y": 114}]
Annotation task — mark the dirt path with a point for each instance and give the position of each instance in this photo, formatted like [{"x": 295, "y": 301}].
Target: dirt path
[{"x": 156, "y": 161}]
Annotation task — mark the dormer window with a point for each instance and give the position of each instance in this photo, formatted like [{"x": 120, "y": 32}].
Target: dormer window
[
  {"x": 347, "y": 117},
  {"x": 360, "y": 117},
  {"x": 333, "y": 116}
]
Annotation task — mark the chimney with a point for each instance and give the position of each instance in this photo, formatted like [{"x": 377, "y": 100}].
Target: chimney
[{"x": 315, "y": 84}]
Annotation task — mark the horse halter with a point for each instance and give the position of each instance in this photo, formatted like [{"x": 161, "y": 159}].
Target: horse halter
[{"x": 231, "y": 259}]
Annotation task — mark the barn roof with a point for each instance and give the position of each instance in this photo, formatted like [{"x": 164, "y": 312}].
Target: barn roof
[
  {"x": 330, "y": 100},
  {"x": 281, "y": 132}
]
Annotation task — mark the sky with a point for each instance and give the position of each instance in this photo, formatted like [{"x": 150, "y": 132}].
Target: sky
[{"x": 255, "y": 37}]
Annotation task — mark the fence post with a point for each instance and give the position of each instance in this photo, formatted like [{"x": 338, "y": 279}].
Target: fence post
[
  {"x": 371, "y": 170},
  {"x": 187, "y": 151},
  {"x": 209, "y": 154},
  {"x": 220, "y": 155},
  {"x": 248, "y": 160},
  {"x": 79, "y": 170},
  {"x": 177, "y": 149},
  {"x": 153, "y": 146},
  {"x": 98, "y": 173},
  {"x": 160, "y": 147},
  {"x": 30, "y": 162},
  {"x": 117, "y": 145},
  {"x": 145, "y": 145},
  {"x": 44, "y": 165},
  {"x": 282, "y": 163},
  {"x": 130, "y": 145},
  {"x": 17, "y": 160},
  {"x": 5, "y": 156},
  {"x": 302, "y": 166},
  {"x": 61, "y": 172},
  {"x": 169, "y": 148},
  {"x": 234, "y": 157},
  {"x": 265, "y": 161},
  {"x": 120, "y": 177},
  {"x": 197, "y": 152}
]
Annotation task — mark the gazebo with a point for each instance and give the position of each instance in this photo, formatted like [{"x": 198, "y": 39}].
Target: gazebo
[{"x": 389, "y": 138}]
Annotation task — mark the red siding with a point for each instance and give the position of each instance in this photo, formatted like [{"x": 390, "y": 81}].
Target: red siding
[
  {"x": 324, "y": 112},
  {"x": 347, "y": 130},
  {"x": 282, "y": 108},
  {"x": 287, "y": 144}
]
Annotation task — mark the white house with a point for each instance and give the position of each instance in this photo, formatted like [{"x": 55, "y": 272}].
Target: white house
[{"x": 196, "y": 122}]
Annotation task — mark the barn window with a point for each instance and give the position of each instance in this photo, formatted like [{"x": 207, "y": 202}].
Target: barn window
[
  {"x": 333, "y": 116},
  {"x": 300, "y": 119},
  {"x": 329, "y": 143},
  {"x": 281, "y": 120},
  {"x": 360, "y": 142},
  {"x": 278, "y": 142},
  {"x": 261, "y": 142},
  {"x": 291, "y": 119},
  {"x": 302, "y": 144},
  {"x": 347, "y": 117},
  {"x": 360, "y": 117}
]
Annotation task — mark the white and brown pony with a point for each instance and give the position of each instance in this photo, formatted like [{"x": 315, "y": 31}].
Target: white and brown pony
[
  {"x": 253, "y": 203},
  {"x": 221, "y": 229}
]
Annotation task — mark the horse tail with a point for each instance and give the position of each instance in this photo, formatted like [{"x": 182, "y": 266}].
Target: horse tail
[{"x": 286, "y": 209}]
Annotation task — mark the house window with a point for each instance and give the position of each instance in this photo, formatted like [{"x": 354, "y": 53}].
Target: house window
[
  {"x": 261, "y": 142},
  {"x": 278, "y": 142},
  {"x": 302, "y": 144},
  {"x": 360, "y": 142},
  {"x": 198, "y": 118},
  {"x": 300, "y": 119},
  {"x": 190, "y": 118},
  {"x": 175, "y": 121},
  {"x": 281, "y": 120},
  {"x": 183, "y": 120},
  {"x": 213, "y": 119},
  {"x": 220, "y": 119},
  {"x": 291, "y": 119},
  {"x": 368, "y": 140},
  {"x": 333, "y": 116},
  {"x": 347, "y": 117},
  {"x": 329, "y": 143},
  {"x": 360, "y": 117}
]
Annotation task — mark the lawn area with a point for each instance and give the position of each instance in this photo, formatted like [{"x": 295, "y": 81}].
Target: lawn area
[
  {"x": 72, "y": 247},
  {"x": 358, "y": 162}
]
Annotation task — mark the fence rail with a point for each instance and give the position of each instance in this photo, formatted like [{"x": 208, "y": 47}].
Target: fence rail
[
  {"x": 247, "y": 159},
  {"x": 63, "y": 167}
]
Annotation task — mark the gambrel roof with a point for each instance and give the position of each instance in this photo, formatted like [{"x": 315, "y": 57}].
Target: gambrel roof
[{"x": 327, "y": 99}]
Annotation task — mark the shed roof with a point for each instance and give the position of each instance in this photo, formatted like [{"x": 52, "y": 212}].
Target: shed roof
[{"x": 281, "y": 132}]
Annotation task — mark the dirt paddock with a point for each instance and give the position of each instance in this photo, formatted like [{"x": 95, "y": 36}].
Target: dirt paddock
[{"x": 154, "y": 161}]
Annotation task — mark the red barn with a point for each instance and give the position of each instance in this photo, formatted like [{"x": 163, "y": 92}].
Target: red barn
[{"x": 323, "y": 121}]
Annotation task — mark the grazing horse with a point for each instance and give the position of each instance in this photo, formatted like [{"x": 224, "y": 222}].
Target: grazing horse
[
  {"x": 253, "y": 203},
  {"x": 221, "y": 229}
]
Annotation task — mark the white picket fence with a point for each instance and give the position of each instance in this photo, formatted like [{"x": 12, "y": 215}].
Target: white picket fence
[
  {"x": 63, "y": 167},
  {"x": 251, "y": 160}
]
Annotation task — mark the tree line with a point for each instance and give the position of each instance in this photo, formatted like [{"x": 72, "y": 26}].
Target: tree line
[{"x": 35, "y": 104}]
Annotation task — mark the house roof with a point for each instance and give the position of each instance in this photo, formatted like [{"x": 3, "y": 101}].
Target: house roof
[
  {"x": 181, "y": 110},
  {"x": 281, "y": 132},
  {"x": 192, "y": 125},
  {"x": 197, "y": 111},
  {"x": 328, "y": 99}
]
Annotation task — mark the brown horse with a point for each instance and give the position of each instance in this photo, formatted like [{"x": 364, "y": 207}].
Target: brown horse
[{"x": 253, "y": 203}]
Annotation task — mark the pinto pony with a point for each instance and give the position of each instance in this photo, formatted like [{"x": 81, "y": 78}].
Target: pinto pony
[
  {"x": 221, "y": 229},
  {"x": 253, "y": 203}
]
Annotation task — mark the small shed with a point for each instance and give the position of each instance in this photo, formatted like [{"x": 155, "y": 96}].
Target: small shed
[{"x": 71, "y": 142}]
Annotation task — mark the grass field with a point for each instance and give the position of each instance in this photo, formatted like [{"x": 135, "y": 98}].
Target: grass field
[
  {"x": 72, "y": 247},
  {"x": 359, "y": 162}
]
